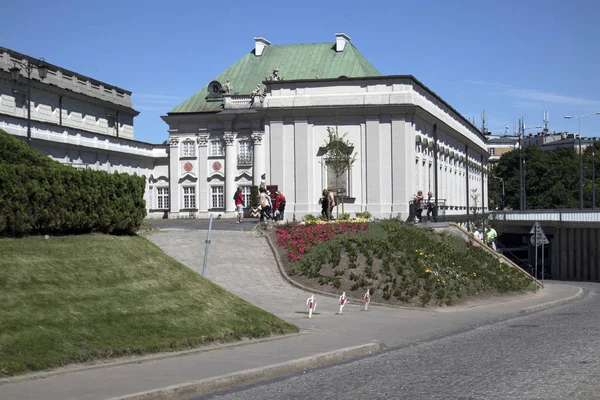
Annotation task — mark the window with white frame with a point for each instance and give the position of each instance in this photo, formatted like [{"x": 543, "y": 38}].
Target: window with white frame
[
  {"x": 246, "y": 195},
  {"x": 189, "y": 150},
  {"x": 216, "y": 148},
  {"x": 217, "y": 197},
  {"x": 244, "y": 153},
  {"x": 189, "y": 197},
  {"x": 162, "y": 198}
]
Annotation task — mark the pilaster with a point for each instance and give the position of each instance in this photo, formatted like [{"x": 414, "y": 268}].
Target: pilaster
[
  {"x": 277, "y": 165},
  {"x": 258, "y": 160},
  {"x": 174, "y": 175},
  {"x": 303, "y": 188},
  {"x": 202, "y": 141},
  {"x": 230, "y": 169},
  {"x": 402, "y": 148}
]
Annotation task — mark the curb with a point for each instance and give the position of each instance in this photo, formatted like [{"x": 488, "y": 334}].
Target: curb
[
  {"x": 205, "y": 386},
  {"x": 551, "y": 304},
  {"x": 144, "y": 358}
]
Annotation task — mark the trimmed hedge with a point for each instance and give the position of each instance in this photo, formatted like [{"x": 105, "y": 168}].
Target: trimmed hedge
[{"x": 39, "y": 195}]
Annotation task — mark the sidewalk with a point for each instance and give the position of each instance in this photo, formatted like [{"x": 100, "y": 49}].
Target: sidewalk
[{"x": 253, "y": 276}]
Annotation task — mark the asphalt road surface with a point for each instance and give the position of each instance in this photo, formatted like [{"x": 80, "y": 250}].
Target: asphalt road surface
[{"x": 553, "y": 354}]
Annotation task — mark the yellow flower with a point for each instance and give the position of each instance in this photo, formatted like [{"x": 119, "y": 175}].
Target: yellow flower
[{"x": 427, "y": 270}]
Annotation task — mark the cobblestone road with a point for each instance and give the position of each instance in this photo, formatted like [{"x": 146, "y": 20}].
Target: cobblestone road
[{"x": 554, "y": 354}]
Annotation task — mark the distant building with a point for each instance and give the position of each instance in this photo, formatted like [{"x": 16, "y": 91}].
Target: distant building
[
  {"x": 81, "y": 122},
  {"x": 498, "y": 145},
  {"x": 265, "y": 119}
]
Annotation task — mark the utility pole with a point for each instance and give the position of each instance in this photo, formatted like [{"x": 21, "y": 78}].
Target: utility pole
[{"x": 521, "y": 206}]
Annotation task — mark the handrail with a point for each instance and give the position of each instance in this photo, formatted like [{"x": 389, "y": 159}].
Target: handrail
[
  {"x": 496, "y": 254},
  {"x": 506, "y": 250}
]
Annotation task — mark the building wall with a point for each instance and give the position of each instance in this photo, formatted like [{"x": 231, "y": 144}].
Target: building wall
[{"x": 390, "y": 123}]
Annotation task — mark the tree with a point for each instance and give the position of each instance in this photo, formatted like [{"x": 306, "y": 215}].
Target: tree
[
  {"x": 339, "y": 157},
  {"x": 551, "y": 178}
]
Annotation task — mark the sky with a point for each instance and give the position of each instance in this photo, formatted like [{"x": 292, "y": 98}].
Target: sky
[{"x": 510, "y": 58}]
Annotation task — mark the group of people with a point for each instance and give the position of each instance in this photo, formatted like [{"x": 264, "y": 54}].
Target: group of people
[
  {"x": 488, "y": 238},
  {"x": 269, "y": 209},
  {"x": 327, "y": 202},
  {"x": 421, "y": 203}
]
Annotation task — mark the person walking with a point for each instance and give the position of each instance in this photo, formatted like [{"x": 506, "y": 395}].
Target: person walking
[
  {"x": 324, "y": 202},
  {"x": 239, "y": 204},
  {"x": 431, "y": 209},
  {"x": 265, "y": 205},
  {"x": 419, "y": 205},
  {"x": 490, "y": 237}
]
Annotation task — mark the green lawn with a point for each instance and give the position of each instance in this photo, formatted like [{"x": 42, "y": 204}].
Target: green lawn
[{"x": 76, "y": 298}]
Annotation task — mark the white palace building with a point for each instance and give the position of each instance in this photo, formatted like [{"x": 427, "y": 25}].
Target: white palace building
[{"x": 264, "y": 120}]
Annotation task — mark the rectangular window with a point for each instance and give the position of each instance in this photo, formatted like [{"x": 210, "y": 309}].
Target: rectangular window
[
  {"x": 189, "y": 197},
  {"x": 189, "y": 150},
  {"x": 492, "y": 151},
  {"x": 216, "y": 148},
  {"x": 246, "y": 195},
  {"x": 217, "y": 197},
  {"x": 244, "y": 153},
  {"x": 162, "y": 198}
]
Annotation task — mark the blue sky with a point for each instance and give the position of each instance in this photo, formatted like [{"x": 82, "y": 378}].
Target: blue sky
[{"x": 512, "y": 58}]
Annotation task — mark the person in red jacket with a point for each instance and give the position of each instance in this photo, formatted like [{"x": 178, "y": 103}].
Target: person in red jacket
[
  {"x": 279, "y": 205},
  {"x": 239, "y": 205}
]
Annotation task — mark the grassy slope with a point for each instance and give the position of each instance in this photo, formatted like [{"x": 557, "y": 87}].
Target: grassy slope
[
  {"x": 76, "y": 298},
  {"x": 403, "y": 264}
]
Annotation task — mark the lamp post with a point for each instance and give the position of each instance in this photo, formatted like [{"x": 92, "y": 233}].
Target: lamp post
[
  {"x": 578, "y": 117},
  {"x": 501, "y": 180},
  {"x": 28, "y": 66}
]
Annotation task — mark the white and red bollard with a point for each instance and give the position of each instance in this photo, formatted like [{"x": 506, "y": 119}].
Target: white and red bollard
[
  {"x": 342, "y": 301},
  {"x": 367, "y": 298},
  {"x": 311, "y": 304}
]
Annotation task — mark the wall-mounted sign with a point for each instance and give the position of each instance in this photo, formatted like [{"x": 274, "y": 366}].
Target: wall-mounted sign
[
  {"x": 217, "y": 166},
  {"x": 188, "y": 166}
]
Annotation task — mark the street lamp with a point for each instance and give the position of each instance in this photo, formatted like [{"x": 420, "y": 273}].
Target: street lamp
[
  {"x": 578, "y": 117},
  {"x": 501, "y": 180},
  {"x": 28, "y": 66}
]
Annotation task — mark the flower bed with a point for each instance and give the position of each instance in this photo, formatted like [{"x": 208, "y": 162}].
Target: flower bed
[{"x": 300, "y": 239}]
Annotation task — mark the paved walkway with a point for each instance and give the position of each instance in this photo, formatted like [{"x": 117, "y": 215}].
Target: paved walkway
[{"x": 242, "y": 262}]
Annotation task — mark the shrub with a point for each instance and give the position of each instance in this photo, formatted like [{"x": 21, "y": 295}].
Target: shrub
[
  {"x": 364, "y": 214},
  {"x": 45, "y": 196}
]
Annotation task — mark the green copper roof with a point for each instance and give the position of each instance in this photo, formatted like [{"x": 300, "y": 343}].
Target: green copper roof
[{"x": 296, "y": 61}]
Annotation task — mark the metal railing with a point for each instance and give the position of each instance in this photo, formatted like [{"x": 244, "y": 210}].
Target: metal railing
[{"x": 563, "y": 215}]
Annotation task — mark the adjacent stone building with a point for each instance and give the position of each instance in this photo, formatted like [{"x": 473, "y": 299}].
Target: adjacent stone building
[
  {"x": 81, "y": 122},
  {"x": 265, "y": 119}
]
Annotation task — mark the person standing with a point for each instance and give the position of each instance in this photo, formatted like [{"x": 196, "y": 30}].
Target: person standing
[
  {"x": 239, "y": 204},
  {"x": 431, "y": 209},
  {"x": 279, "y": 204},
  {"x": 490, "y": 237},
  {"x": 331, "y": 200},
  {"x": 419, "y": 205},
  {"x": 324, "y": 202}
]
